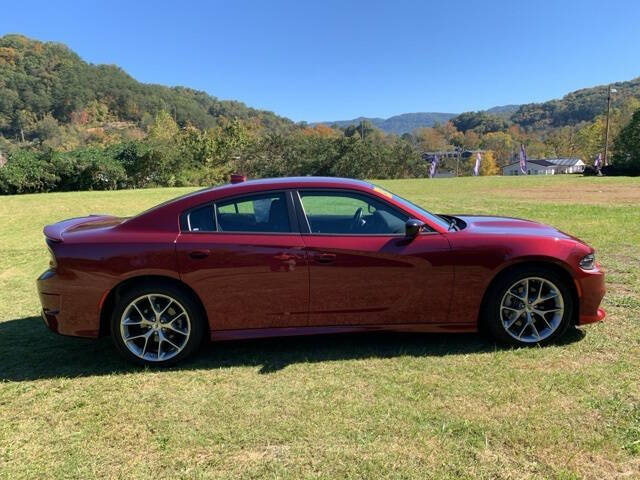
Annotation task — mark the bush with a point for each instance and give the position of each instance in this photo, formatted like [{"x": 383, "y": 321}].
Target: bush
[{"x": 27, "y": 172}]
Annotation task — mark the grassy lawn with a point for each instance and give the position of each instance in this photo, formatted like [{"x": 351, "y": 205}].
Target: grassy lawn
[{"x": 389, "y": 406}]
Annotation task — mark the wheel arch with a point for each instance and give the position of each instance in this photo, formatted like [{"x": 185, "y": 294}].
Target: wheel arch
[
  {"x": 552, "y": 264},
  {"x": 111, "y": 298}
]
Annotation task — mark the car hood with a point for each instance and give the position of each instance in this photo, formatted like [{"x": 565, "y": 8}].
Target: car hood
[{"x": 510, "y": 226}]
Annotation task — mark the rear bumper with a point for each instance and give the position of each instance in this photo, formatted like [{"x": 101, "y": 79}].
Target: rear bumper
[
  {"x": 591, "y": 290},
  {"x": 78, "y": 318}
]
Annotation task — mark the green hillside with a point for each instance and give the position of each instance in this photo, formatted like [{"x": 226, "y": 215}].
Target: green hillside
[
  {"x": 42, "y": 78},
  {"x": 580, "y": 106}
]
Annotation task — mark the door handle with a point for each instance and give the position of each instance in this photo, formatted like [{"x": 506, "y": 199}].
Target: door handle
[
  {"x": 197, "y": 254},
  {"x": 324, "y": 257}
]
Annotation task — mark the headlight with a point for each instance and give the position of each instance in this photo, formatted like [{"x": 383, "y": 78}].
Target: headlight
[{"x": 588, "y": 262}]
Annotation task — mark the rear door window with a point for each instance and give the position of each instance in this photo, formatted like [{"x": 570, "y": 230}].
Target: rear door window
[
  {"x": 267, "y": 213},
  {"x": 201, "y": 219}
]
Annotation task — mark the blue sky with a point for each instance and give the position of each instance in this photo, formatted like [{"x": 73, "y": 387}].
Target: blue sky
[{"x": 332, "y": 60}]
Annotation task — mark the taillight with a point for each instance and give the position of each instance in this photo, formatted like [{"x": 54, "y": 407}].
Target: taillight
[{"x": 52, "y": 258}]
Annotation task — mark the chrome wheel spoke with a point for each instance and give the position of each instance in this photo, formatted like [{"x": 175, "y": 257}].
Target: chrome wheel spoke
[
  {"x": 165, "y": 339},
  {"x": 140, "y": 312},
  {"x": 545, "y": 321},
  {"x": 153, "y": 307},
  {"x": 165, "y": 308},
  {"x": 523, "y": 329},
  {"x": 551, "y": 310},
  {"x": 512, "y": 321},
  {"x": 128, "y": 322},
  {"x": 146, "y": 342},
  {"x": 544, "y": 299},
  {"x": 522, "y": 299},
  {"x": 170, "y": 322},
  {"x": 174, "y": 329},
  {"x": 517, "y": 310},
  {"x": 535, "y": 330},
  {"x": 137, "y": 337}
]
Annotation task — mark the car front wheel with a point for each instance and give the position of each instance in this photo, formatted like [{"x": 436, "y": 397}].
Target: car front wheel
[
  {"x": 529, "y": 306},
  {"x": 156, "y": 325}
]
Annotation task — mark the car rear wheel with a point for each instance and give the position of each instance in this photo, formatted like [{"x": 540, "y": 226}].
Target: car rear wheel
[
  {"x": 156, "y": 325},
  {"x": 529, "y": 306}
]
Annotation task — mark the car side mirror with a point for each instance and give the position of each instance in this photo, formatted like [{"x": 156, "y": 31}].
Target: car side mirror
[{"x": 413, "y": 227}]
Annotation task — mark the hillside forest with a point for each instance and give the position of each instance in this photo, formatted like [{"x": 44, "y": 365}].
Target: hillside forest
[{"x": 66, "y": 124}]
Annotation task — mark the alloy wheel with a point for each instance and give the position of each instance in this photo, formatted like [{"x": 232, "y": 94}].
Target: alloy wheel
[
  {"x": 531, "y": 309},
  {"x": 155, "y": 327}
]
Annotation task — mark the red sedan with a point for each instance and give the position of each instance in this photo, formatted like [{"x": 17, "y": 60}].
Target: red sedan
[{"x": 297, "y": 256}]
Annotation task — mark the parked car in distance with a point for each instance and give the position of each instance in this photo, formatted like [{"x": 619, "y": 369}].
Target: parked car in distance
[{"x": 298, "y": 256}]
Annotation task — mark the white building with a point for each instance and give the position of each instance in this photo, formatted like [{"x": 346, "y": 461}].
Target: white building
[
  {"x": 534, "y": 167},
  {"x": 568, "y": 165},
  {"x": 549, "y": 166}
]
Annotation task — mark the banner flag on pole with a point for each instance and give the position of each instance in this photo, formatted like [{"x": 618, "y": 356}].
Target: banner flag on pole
[
  {"x": 523, "y": 160},
  {"x": 434, "y": 165},
  {"x": 597, "y": 162},
  {"x": 476, "y": 167}
]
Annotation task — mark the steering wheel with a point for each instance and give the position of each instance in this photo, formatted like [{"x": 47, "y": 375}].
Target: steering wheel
[{"x": 356, "y": 221}]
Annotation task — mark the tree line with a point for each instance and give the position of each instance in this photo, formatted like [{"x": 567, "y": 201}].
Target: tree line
[{"x": 69, "y": 125}]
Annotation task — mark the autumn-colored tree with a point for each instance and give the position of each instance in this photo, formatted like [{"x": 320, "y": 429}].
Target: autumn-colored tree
[
  {"x": 320, "y": 130},
  {"x": 164, "y": 128},
  {"x": 448, "y": 131},
  {"x": 471, "y": 140},
  {"x": 590, "y": 139},
  {"x": 562, "y": 142},
  {"x": 501, "y": 144},
  {"x": 430, "y": 140},
  {"x": 488, "y": 165}
]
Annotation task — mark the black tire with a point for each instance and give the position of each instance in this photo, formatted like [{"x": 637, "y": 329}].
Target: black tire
[
  {"x": 182, "y": 300},
  {"x": 492, "y": 320}
]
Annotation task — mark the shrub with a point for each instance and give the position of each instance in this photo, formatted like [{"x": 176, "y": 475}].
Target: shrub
[{"x": 27, "y": 172}]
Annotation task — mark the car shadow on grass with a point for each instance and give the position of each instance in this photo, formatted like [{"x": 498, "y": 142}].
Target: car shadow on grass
[{"x": 28, "y": 351}]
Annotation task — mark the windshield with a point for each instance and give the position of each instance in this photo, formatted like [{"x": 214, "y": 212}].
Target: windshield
[{"x": 434, "y": 218}]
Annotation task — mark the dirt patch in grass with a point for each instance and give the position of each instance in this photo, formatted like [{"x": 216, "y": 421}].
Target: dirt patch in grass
[{"x": 588, "y": 194}]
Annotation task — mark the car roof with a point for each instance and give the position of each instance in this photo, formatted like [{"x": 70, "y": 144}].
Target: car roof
[
  {"x": 170, "y": 208},
  {"x": 299, "y": 181}
]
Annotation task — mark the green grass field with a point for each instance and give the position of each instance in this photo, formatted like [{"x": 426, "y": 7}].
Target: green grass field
[{"x": 388, "y": 406}]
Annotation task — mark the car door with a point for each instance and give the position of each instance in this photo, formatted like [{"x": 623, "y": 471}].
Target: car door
[
  {"x": 363, "y": 269},
  {"x": 244, "y": 257}
]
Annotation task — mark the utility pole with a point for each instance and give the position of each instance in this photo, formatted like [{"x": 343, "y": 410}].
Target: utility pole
[{"x": 606, "y": 134}]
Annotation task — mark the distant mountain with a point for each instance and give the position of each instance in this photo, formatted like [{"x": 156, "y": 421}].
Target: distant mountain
[
  {"x": 399, "y": 124},
  {"x": 504, "y": 111}
]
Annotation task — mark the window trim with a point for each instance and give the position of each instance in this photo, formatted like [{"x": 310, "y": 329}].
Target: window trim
[
  {"x": 185, "y": 226},
  {"x": 305, "y": 228}
]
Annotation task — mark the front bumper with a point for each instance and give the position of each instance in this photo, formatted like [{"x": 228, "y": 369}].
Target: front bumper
[{"x": 591, "y": 289}]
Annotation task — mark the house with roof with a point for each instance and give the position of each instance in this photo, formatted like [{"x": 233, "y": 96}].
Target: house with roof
[
  {"x": 568, "y": 165},
  {"x": 549, "y": 166}
]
